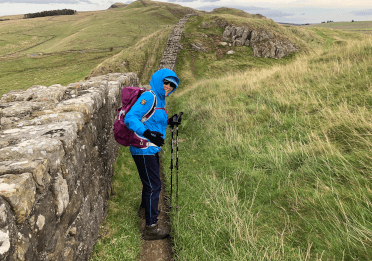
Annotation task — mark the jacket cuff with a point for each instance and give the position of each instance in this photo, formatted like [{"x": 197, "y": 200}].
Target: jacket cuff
[{"x": 141, "y": 130}]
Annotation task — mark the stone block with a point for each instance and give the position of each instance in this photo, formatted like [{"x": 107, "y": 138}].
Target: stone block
[
  {"x": 65, "y": 131},
  {"x": 245, "y": 35},
  {"x": 19, "y": 191},
  {"x": 8, "y": 230},
  {"x": 254, "y": 36},
  {"x": 237, "y": 42},
  {"x": 239, "y": 31},
  {"x": 33, "y": 149},
  {"x": 43, "y": 221},
  {"x": 60, "y": 194},
  {"x": 49, "y": 118}
]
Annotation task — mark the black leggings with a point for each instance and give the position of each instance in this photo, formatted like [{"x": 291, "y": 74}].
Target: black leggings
[{"x": 148, "y": 169}]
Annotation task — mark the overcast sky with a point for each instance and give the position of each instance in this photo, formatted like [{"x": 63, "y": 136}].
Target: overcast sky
[{"x": 287, "y": 11}]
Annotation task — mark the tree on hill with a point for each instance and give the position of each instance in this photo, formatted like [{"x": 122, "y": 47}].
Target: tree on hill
[{"x": 50, "y": 13}]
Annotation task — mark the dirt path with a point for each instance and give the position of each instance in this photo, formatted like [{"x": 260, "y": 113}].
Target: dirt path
[
  {"x": 162, "y": 250},
  {"x": 158, "y": 250}
]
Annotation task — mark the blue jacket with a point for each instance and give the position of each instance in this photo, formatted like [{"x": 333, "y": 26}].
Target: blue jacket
[{"x": 159, "y": 120}]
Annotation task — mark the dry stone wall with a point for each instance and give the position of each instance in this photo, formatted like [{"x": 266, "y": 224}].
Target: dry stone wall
[
  {"x": 56, "y": 155},
  {"x": 169, "y": 59}
]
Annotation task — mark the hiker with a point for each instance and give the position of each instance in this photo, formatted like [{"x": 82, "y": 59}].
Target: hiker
[{"x": 163, "y": 83}]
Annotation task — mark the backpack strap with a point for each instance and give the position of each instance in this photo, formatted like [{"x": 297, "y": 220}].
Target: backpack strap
[
  {"x": 162, "y": 109},
  {"x": 152, "y": 109}
]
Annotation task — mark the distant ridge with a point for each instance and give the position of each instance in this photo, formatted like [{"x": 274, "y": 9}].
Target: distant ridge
[
  {"x": 117, "y": 5},
  {"x": 296, "y": 24},
  {"x": 234, "y": 11}
]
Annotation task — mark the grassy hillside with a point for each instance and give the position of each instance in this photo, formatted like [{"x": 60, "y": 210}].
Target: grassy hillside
[
  {"x": 264, "y": 171},
  {"x": 364, "y": 27},
  {"x": 193, "y": 66},
  {"x": 275, "y": 155},
  {"x": 143, "y": 58},
  {"x": 275, "y": 163},
  {"x": 65, "y": 49}
]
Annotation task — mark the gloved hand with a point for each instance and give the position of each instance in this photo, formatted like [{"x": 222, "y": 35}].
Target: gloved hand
[
  {"x": 175, "y": 120},
  {"x": 155, "y": 137}
]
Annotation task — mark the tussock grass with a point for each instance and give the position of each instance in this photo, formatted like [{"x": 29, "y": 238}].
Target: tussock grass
[{"x": 276, "y": 164}]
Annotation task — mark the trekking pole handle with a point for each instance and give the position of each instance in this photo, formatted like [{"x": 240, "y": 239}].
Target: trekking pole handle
[{"x": 179, "y": 115}]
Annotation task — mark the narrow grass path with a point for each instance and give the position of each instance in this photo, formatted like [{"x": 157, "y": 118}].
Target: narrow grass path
[
  {"x": 162, "y": 250},
  {"x": 123, "y": 230}
]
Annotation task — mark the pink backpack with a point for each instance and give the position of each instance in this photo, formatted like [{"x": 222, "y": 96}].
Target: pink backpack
[{"x": 124, "y": 136}]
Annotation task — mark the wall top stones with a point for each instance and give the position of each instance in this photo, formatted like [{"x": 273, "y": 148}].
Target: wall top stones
[{"x": 40, "y": 104}]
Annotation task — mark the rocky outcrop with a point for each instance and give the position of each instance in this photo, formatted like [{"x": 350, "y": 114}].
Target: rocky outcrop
[
  {"x": 264, "y": 43},
  {"x": 56, "y": 155},
  {"x": 169, "y": 58}
]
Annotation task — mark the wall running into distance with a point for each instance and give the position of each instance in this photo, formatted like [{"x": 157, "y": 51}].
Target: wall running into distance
[
  {"x": 56, "y": 156},
  {"x": 169, "y": 59}
]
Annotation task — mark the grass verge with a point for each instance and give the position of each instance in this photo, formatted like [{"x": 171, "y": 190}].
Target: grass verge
[
  {"x": 119, "y": 236},
  {"x": 275, "y": 164}
]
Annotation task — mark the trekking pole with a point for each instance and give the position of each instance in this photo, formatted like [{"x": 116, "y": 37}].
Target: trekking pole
[
  {"x": 171, "y": 168},
  {"x": 177, "y": 160}
]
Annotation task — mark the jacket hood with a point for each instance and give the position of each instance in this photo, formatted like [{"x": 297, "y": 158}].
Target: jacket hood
[{"x": 156, "y": 84}]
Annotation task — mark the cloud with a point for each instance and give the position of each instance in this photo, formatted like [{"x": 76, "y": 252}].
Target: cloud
[
  {"x": 45, "y": 2},
  {"x": 367, "y": 12},
  {"x": 183, "y": 1},
  {"x": 276, "y": 13},
  {"x": 252, "y": 10}
]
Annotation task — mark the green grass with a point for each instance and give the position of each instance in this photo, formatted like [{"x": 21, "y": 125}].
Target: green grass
[
  {"x": 364, "y": 27},
  {"x": 59, "y": 41},
  {"x": 120, "y": 233},
  {"x": 24, "y": 72},
  {"x": 275, "y": 155},
  {"x": 345, "y": 25},
  {"x": 276, "y": 163},
  {"x": 193, "y": 66},
  {"x": 143, "y": 58}
]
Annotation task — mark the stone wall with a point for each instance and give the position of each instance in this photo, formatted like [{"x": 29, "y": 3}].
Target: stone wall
[
  {"x": 169, "y": 58},
  {"x": 56, "y": 155}
]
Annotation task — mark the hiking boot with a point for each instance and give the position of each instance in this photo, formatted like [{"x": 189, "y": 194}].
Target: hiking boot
[{"x": 154, "y": 232}]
